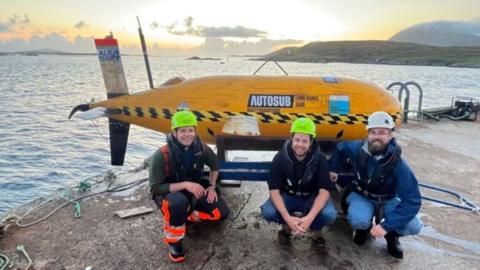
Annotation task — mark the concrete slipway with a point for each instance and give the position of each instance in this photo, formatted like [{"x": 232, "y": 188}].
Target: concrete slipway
[{"x": 445, "y": 154}]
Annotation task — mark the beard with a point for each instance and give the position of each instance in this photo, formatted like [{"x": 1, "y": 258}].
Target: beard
[
  {"x": 300, "y": 152},
  {"x": 376, "y": 147}
]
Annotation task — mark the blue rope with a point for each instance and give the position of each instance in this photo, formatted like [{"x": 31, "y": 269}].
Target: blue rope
[{"x": 78, "y": 209}]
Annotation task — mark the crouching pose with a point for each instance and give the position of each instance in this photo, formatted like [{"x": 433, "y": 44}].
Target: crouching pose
[
  {"x": 177, "y": 185},
  {"x": 383, "y": 186},
  {"x": 299, "y": 198}
]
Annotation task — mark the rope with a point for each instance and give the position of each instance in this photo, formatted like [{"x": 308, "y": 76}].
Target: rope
[
  {"x": 108, "y": 190},
  {"x": 98, "y": 131},
  {"x": 83, "y": 186},
  {"x": 4, "y": 261},
  {"x": 78, "y": 209},
  {"x": 17, "y": 222},
  {"x": 21, "y": 249}
]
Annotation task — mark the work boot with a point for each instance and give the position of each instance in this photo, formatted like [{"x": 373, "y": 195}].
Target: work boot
[
  {"x": 284, "y": 236},
  {"x": 189, "y": 227},
  {"x": 393, "y": 244},
  {"x": 176, "y": 252},
  {"x": 360, "y": 236}
]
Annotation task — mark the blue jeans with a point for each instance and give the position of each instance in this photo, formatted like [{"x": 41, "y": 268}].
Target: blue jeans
[
  {"x": 361, "y": 211},
  {"x": 300, "y": 204}
]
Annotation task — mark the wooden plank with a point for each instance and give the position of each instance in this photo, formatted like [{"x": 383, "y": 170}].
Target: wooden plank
[{"x": 133, "y": 212}]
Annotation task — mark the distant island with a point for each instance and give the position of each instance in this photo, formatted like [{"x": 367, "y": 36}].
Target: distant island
[
  {"x": 379, "y": 52},
  {"x": 361, "y": 52},
  {"x": 43, "y": 52},
  {"x": 200, "y": 58}
]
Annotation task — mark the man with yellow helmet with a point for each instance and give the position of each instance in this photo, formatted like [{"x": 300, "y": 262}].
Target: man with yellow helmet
[
  {"x": 299, "y": 183},
  {"x": 177, "y": 185}
]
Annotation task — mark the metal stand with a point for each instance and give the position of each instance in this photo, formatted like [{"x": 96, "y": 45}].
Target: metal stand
[{"x": 257, "y": 143}]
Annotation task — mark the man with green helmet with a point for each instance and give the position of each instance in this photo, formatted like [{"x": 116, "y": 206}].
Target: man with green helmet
[
  {"x": 177, "y": 185},
  {"x": 299, "y": 183}
]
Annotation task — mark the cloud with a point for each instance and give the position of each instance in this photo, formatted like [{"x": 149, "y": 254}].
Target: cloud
[
  {"x": 238, "y": 31},
  {"x": 189, "y": 30},
  {"x": 15, "y": 20},
  {"x": 211, "y": 32},
  {"x": 218, "y": 46},
  {"x": 154, "y": 25},
  {"x": 81, "y": 25},
  {"x": 212, "y": 46},
  {"x": 55, "y": 41}
]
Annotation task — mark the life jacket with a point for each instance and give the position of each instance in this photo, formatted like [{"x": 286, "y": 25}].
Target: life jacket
[
  {"x": 380, "y": 184},
  {"x": 302, "y": 187},
  {"x": 173, "y": 156}
]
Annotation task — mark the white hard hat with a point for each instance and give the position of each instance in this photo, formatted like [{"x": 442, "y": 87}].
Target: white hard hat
[{"x": 380, "y": 120}]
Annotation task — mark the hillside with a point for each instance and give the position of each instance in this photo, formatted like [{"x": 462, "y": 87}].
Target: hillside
[
  {"x": 379, "y": 52},
  {"x": 442, "y": 33}
]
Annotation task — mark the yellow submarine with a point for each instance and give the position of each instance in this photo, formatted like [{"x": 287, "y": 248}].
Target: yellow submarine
[{"x": 339, "y": 106}]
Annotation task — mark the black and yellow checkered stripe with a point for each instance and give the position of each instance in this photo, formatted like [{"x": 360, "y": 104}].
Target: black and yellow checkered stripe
[{"x": 263, "y": 117}]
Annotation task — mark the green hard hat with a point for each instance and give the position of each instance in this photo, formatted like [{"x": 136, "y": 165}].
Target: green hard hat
[
  {"x": 184, "y": 119},
  {"x": 304, "y": 125}
]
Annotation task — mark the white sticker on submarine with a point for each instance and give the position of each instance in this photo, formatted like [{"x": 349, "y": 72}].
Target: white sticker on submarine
[{"x": 338, "y": 104}]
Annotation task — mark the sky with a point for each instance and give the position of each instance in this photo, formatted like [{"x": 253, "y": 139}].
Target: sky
[{"x": 210, "y": 27}]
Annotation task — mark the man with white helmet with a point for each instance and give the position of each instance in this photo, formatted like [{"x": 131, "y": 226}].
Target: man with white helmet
[{"x": 384, "y": 188}]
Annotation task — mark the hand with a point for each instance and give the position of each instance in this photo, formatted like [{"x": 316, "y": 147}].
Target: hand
[
  {"x": 196, "y": 189},
  {"x": 305, "y": 223},
  {"x": 378, "y": 231},
  {"x": 333, "y": 176},
  {"x": 293, "y": 223},
  {"x": 211, "y": 194}
]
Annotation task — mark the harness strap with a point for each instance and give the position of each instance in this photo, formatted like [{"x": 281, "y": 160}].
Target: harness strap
[
  {"x": 298, "y": 193},
  {"x": 166, "y": 160},
  {"x": 378, "y": 197}
]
